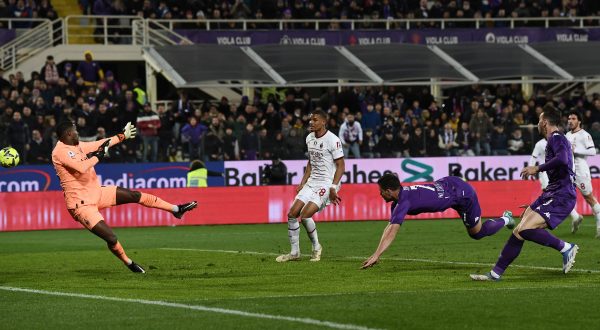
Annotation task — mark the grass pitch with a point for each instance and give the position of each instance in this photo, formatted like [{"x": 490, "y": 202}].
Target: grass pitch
[{"x": 217, "y": 277}]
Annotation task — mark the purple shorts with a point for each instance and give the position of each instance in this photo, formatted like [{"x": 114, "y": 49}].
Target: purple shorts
[
  {"x": 554, "y": 209},
  {"x": 467, "y": 204}
]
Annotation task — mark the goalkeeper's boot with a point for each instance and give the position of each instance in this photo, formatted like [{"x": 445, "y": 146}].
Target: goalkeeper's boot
[
  {"x": 511, "y": 220},
  {"x": 184, "y": 208},
  {"x": 316, "y": 254},
  {"x": 484, "y": 277},
  {"x": 288, "y": 257},
  {"x": 136, "y": 268},
  {"x": 575, "y": 224}
]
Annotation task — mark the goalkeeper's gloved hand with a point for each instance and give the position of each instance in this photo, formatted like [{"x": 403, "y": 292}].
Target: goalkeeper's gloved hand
[
  {"x": 129, "y": 132},
  {"x": 101, "y": 151}
]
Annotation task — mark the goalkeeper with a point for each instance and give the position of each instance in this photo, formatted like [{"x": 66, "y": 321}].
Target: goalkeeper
[{"x": 74, "y": 164}]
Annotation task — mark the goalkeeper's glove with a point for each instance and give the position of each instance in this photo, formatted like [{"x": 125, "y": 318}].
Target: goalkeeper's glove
[
  {"x": 101, "y": 151},
  {"x": 129, "y": 132}
]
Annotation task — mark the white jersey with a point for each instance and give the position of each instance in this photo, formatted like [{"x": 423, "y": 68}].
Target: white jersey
[
  {"x": 321, "y": 154},
  {"x": 582, "y": 146},
  {"x": 539, "y": 156}
]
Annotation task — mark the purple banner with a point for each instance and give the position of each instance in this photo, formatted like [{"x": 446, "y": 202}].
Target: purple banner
[
  {"x": 420, "y": 36},
  {"x": 6, "y": 36}
]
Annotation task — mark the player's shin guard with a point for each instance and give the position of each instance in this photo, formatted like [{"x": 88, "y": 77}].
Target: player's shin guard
[
  {"x": 118, "y": 251},
  {"x": 542, "y": 237},
  {"x": 489, "y": 228},
  {"x": 311, "y": 230},
  {"x": 155, "y": 202},
  {"x": 511, "y": 251},
  {"x": 294, "y": 235},
  {"x": 575, "y": 215}
]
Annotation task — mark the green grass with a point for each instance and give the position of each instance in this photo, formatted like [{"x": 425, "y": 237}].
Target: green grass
[{"x": 397, "y": 293}]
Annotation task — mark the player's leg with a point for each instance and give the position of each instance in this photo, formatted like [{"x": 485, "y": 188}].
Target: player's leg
[
  {"x": 478, "y": 229},
  {"x": 586, "y": 190},
  {"x": 311, "y": 229},
  {"x": 102, "y": 230},
  {"x": 126, "y": 196},
  {"x": 293, "y": 231}
]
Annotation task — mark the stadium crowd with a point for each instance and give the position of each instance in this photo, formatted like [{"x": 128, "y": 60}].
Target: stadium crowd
[
  {"x": 371, "y": 121},
  {"x": 342, "y": 9},
  {"x": 26, "y": 9}
]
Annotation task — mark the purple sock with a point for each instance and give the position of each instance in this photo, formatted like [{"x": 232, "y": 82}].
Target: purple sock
[
  {"x": 542, "y": 237},
  {"x": 511, "y": 251},
  {"x": 489, "y": 228}
]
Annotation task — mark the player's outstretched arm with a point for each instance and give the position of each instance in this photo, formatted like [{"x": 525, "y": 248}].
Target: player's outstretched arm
[
  {"x": 129, "y": 132},
  {"x": 80, "y": 166},
  {"x": 389, "y": 234}
]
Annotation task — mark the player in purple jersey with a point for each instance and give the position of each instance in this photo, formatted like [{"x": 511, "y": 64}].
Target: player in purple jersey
[
  {"x": 551, "y": 208},
  {"x": 449, "y": 192}
]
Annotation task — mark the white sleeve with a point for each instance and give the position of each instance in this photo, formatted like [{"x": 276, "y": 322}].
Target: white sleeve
[
  {"x": 335, "y": 147},
  {"x": 585, "y": 146}
]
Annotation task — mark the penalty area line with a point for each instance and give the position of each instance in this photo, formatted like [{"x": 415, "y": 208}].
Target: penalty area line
[
  {"x": 201, "y": 308},
  {"x": 432, "y": 261}
]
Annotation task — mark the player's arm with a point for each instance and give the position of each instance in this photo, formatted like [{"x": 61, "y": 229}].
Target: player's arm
[
  {"x": 585, "y": 149},
  {"x": 340, "y": 167},
  {"x": 129, "y": 132},
  {"x": 80, "y": 166},
  {"x": 389, "y": 234},
  {"x": 305, "y": 177},
  {"x": 561, "y": 158}
]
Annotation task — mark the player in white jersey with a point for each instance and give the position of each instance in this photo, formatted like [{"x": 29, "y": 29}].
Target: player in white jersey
[
  {"x": 538, "y": 156},
  {"x": 319, "y": 186},
  {"x": 583, "y": 146}
]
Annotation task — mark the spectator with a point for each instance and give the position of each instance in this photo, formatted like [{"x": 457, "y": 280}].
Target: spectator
[
  {"x": 191, "y": 134},
  {"x": 139, "y": 93},
  {"x": 480, "y": 127},
  {"x": 50, "y": 71},
  {"x": 165, "y": 131},
  {"x": 278, "y": 146},
  {"x": 38, "y": 150},
  {"x": 371, "y": 118},
  {"x": 296, "y": 145},
  {"x": 448, "y": 141},
  {"x": 368, "y": 147},
  {"x": 516, "y": 145},
  {"x": 148, "y": 123},
  {"x": 352, "y": 136},
  {"x": 386, "y": 146},
  {"x": 499, "y": 142},
  {"x": 417, "y": 143},
  {"x": 89, "y": 70},
  {"x": 230, "y": 145},
  {"x": 18, "y": 134},
  {"x": 213, "y": 146},
  {"x": 465, "y": 140},
  {"x": 249, "y": 143}
]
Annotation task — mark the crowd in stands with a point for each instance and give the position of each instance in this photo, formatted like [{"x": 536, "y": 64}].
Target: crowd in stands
[
  {"x": 26, "y": 9},
  {"x": 371, "y": 121},
  {"x": 342, "y": 9}
]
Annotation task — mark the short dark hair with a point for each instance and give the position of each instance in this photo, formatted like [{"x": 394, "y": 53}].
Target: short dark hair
[
  {"x": 576, "y": 114},
  {"x": 552, "y": 115},
  {"x": 389, "y": 181},
  {"x": 63, "y": 127},
  {"x": 320, "y": 113}
]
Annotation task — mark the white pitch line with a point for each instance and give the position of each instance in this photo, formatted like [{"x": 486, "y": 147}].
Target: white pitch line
[
  {"x": 466, "y": 263},
  {"x": 303, "y": 320}
]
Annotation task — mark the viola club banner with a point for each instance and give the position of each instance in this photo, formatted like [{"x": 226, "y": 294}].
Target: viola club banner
[{"x": 373, "y": 37}]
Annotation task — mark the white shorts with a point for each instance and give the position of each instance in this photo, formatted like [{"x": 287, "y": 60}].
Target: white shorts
[
  {"x": 315, "y": 194},
  {"x": 584, "y": 184}
]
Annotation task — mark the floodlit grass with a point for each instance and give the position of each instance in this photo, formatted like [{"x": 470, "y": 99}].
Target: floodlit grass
[{"x": 421, "y": 283}]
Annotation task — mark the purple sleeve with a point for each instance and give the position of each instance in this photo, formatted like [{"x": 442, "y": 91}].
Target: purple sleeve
[
  {"x": 399, "y": 213},
  {"x": 561, "y": 156}
]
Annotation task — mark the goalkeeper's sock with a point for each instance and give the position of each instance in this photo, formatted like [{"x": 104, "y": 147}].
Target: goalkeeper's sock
[
  {"x": 118, "y": 251},
  {"x": 294, "y": 235},
  {"x": 157, "y": 203},
  {"x": 311, "y": 230}
]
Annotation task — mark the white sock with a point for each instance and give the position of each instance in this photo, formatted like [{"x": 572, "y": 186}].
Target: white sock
[
  {"x": 175, "y": 208},
  {"x": 129, "y": 262},
  {"x": 494, "y": 275},
  {"x": 311, "y": 230},
  {"x": 596, "y": 211},
  {"x": 566, "y": 247},
  {"x": 574, "y": 215},
  {"x": 506, "y": 220},
  {"x": 294, "y": 235}
]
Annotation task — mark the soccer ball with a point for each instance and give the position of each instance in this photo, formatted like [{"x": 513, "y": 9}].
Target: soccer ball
[{"x": 9, "y": 157}]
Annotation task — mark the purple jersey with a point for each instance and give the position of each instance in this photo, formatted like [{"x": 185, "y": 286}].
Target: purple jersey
[
  {"x": 445, "y": 193},
  {"x": 559, "y": 166}
]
